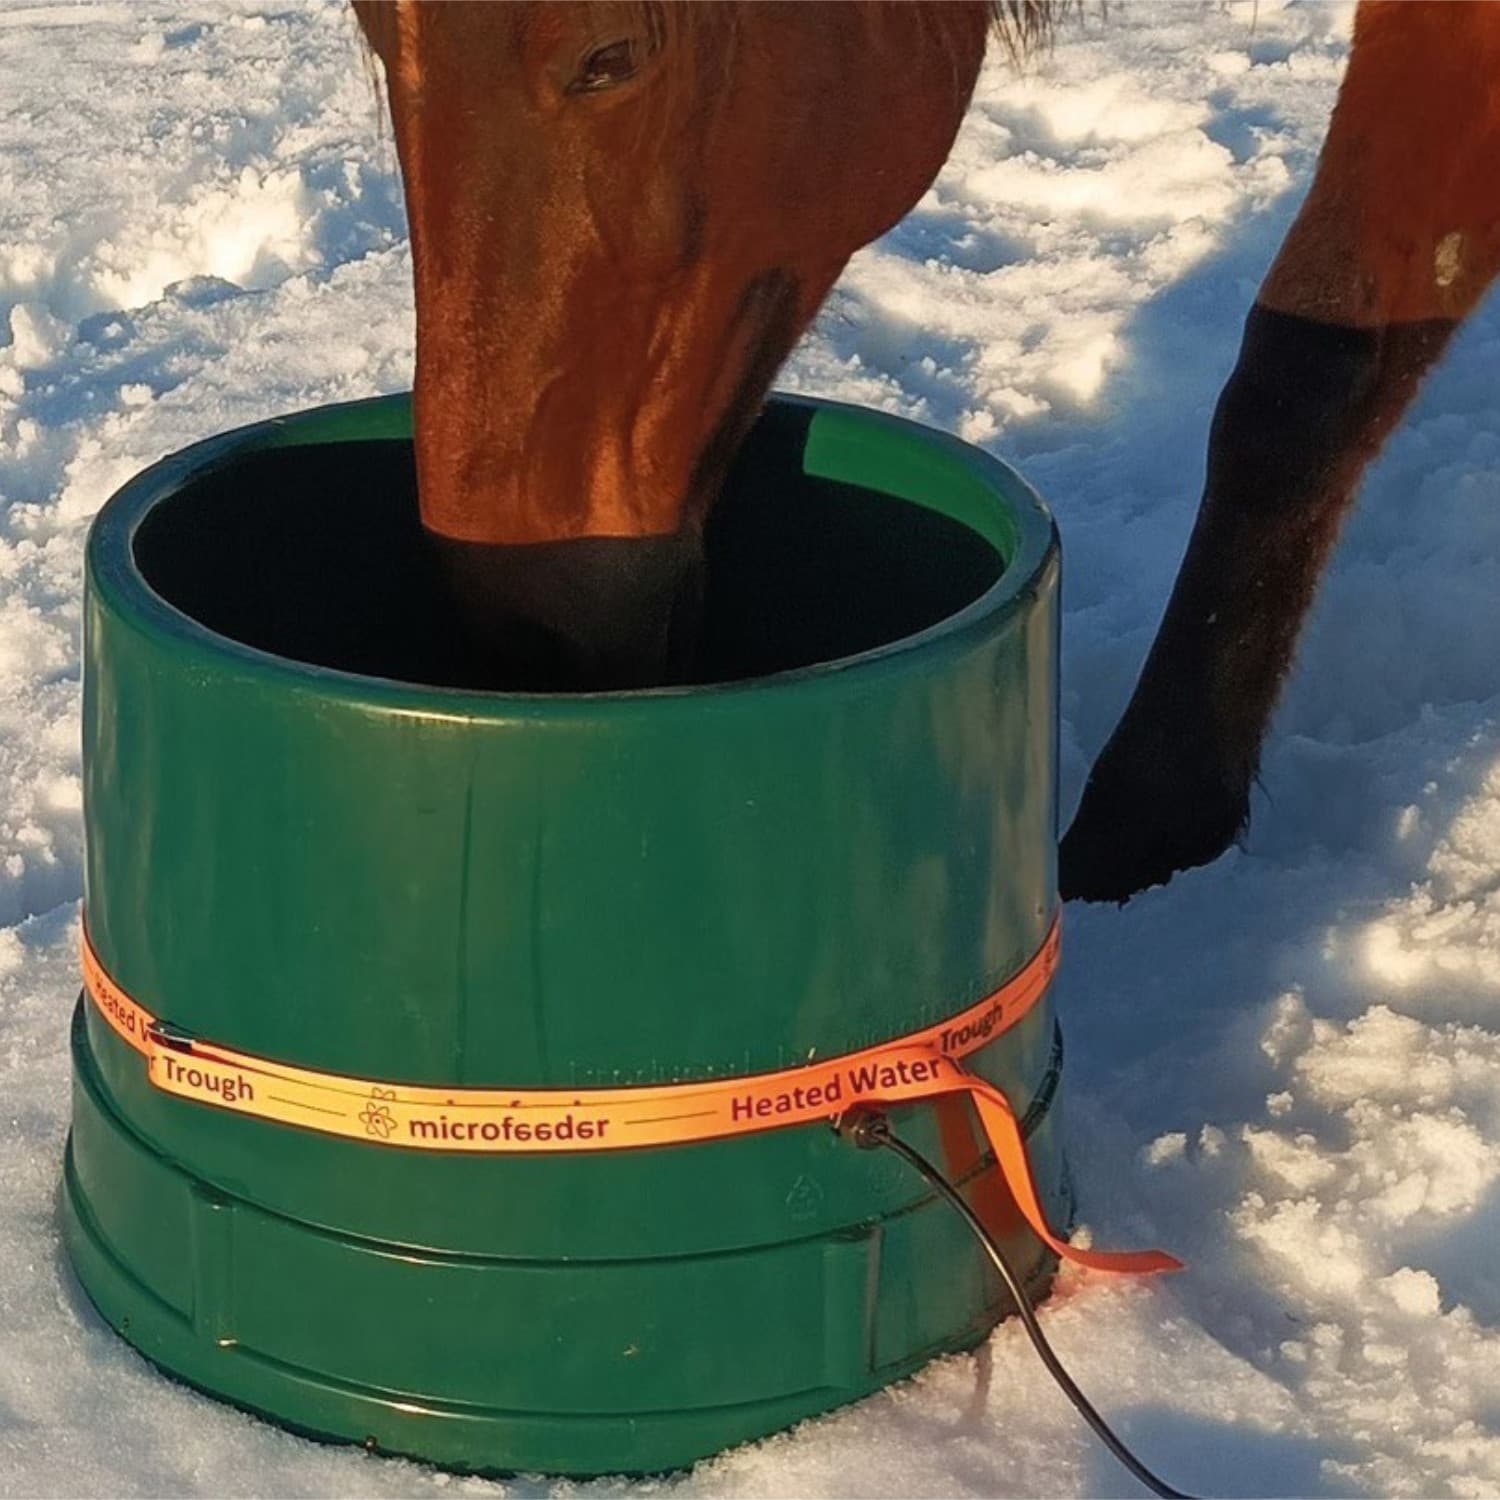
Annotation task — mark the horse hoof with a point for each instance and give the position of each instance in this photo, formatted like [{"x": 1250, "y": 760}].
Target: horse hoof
[{"x": 1126, "y": 838}]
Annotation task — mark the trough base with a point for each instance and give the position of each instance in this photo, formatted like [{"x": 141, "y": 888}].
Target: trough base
[{"x": 188, "y": 1330}]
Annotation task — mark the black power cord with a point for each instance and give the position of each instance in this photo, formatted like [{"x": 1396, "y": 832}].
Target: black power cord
[{"x": 870, "y": 1131}]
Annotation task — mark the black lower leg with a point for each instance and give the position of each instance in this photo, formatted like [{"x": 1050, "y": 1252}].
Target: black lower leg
[{"x": 1306, "y": 408}]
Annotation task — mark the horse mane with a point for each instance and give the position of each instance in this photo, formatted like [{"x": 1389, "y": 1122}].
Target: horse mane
[{"x": 1026, "y": 26}]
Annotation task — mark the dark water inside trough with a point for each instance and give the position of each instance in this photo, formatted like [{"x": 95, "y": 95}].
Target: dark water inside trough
[{"x": 317, "y": 554}]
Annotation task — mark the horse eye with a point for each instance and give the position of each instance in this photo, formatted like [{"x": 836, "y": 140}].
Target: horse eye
[{"x": 605, "y": 67}]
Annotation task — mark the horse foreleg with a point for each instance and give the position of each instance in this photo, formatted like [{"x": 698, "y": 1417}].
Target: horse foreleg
[{"x": 1397, "y": 241}]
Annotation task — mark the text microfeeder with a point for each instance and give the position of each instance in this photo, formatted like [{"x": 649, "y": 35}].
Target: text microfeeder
[{"x": 507, "y": 1128}]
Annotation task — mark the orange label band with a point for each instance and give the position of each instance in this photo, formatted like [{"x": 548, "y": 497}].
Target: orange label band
[{"x": 924, "y": 1065}]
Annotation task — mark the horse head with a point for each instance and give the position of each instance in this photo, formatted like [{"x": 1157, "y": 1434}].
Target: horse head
[{"x": 622, "y": 217}]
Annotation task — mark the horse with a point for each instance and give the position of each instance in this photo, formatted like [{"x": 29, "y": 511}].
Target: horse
[{"x": 629, "y": 211}]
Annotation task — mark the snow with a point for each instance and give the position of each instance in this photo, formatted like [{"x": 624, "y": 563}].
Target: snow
[{"x": 1285, "y": 1067}]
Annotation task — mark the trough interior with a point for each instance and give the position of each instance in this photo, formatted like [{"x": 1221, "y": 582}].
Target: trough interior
[{"x": 316, "y": 553}]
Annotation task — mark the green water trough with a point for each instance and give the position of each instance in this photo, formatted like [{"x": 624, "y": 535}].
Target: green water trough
[{"x": 312, "y": 838}]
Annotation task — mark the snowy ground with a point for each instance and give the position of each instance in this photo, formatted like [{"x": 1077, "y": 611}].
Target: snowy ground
[{"x": 1286, "y": 1067}]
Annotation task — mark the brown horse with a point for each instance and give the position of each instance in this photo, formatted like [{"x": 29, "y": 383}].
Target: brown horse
[{"x": 624, "y": 214}]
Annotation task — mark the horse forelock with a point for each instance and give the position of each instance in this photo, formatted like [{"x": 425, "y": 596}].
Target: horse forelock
[{"x": 693, "y": 33}]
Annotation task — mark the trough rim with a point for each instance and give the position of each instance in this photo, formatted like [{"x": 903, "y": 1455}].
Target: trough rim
[{"x": 113, "y": 574}]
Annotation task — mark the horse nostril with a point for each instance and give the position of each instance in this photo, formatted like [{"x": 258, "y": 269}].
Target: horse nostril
[{"x": 587, "y": 614}]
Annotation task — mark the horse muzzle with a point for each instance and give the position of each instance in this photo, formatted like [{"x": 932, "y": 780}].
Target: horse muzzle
[{"x": 588, "y": 614}]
